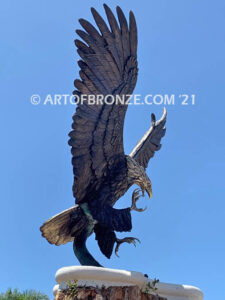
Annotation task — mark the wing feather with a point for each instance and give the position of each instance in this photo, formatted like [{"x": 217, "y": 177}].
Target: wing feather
[
  {"x": 118, "y": 54},
  {"x": 108, "y": 66},
  {"x": 124, "y": 33},
  {"x": 133, "y": 35},
  {"x": 150, "y": 142}
]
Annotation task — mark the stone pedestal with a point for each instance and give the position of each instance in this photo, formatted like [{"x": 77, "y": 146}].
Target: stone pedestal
[{"x": 92, "y": 283}]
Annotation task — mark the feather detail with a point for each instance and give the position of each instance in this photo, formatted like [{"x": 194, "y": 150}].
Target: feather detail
[{"x": 150, "y": 142}]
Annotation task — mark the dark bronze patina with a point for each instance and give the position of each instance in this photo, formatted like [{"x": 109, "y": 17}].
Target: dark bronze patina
[{"x": 102, "y": 171}]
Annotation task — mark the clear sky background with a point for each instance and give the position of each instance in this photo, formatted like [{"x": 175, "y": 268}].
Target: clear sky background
[{"x": 181, "y": 51}]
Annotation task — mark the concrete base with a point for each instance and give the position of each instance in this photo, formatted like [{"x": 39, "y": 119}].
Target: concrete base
[{"x": 98, "y": 277}]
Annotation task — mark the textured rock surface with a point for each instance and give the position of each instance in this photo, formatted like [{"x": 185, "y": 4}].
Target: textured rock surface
[{"x": 111, "y": 293}]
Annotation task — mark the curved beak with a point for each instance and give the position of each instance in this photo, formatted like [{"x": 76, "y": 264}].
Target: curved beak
[
  {"x": 147, "y": 188},
  {"x": 149, "y": 191}
]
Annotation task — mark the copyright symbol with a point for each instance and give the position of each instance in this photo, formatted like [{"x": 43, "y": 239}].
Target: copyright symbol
[{"x": 35, "y": 99}]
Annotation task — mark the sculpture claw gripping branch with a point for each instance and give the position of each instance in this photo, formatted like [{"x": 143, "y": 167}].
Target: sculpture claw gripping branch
[{"x": 102, "y": 171}]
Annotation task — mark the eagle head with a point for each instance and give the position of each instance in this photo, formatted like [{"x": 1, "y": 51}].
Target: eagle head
[{"x": 137, "y": 175}]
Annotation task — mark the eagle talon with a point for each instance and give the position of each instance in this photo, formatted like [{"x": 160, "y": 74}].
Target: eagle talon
[
  {"x": 129, "y": 240},
  {"x": 135, "y": 197}
]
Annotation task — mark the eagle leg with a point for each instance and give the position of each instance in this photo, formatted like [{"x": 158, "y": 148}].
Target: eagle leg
[
  {"x": 135, "y": 197},
  {"x": 115, "y": 219},
  {"x": 129, "y": 240}
]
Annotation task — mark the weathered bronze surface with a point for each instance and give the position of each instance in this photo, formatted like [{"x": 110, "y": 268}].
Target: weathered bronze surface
[
  {"x": 110, "y": 293},
  {"x": 102, "y": 171}
]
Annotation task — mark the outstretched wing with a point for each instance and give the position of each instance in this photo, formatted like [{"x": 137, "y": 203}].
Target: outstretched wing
[
  {"x": 150, "y": 142},
  {"x": 108, "y": 67}
]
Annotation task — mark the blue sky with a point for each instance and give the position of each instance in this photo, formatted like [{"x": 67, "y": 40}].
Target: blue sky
[{"x": 181, "y": 51}]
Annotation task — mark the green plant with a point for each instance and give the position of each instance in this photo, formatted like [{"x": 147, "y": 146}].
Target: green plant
[
  {"x": 150, "y": 286},
  {"x": 26, "y": 295},
  {"x": 72, "y": 287}
]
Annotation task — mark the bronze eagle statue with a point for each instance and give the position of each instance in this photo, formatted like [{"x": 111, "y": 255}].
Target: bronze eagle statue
[{"x": 102, "y": 171}]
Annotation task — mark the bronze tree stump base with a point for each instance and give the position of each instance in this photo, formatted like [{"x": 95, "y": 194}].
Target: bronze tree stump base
[{"x": 110, "y": 293}]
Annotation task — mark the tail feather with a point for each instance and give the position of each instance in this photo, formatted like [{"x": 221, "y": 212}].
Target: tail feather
[{"x": 63, "y": 227}]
